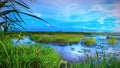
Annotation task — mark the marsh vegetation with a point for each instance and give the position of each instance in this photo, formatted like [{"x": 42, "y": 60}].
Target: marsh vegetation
[{"x": 41, "y": 55}]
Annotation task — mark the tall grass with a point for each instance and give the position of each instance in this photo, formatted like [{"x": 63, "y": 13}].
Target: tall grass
[{"x": 33, "y": 56}]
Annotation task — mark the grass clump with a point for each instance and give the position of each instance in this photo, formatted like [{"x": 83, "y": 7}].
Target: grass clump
[
  {"x": 89, "y": 41},
  {"x": 112, "y": 41},
  {"x": 23, "y": 56}
]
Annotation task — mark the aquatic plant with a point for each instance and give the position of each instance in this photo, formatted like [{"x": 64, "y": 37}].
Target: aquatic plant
[
  {"x": 112, "y": 41},
  {"x": 89, "y": 41}
]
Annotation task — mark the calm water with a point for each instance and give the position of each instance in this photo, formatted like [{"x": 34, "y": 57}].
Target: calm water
[{"x": 79, "y": 52}]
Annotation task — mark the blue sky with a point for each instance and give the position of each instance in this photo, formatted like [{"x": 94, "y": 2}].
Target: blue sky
[{"x": 75, "y": 15}]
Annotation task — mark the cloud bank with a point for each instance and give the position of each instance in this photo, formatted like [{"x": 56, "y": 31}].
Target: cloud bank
[{"x": 103, "y": 15}]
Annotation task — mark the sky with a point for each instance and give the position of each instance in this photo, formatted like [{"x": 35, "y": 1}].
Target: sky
[{"x": 74, "y": 15}]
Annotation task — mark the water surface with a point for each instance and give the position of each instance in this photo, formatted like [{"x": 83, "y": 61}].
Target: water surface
[{"x": 80, "y": 52}]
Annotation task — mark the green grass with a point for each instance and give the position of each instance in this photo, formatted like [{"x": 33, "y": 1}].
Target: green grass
[
  {"x": 89, "y": 41},
  {"x": 112, "y": 41},
  {"x": 38, "y": 56},
  {"x": 49, "y": 37},
  {"x": 33, "y": 56},
  {"x": 62, "y": 38}
]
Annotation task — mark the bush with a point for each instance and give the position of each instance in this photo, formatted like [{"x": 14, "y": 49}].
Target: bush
[
  {"x": 112, "y": 41},
  {"x": 89, "y": 41}
]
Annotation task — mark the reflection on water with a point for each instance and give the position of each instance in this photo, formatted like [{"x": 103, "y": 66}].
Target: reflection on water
[
  {"x": 79, "y": 53},
  {"x": 25, "y": 40}
]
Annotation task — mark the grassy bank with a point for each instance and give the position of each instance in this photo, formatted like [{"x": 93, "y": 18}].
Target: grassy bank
[{"x": 33, "y": 56}]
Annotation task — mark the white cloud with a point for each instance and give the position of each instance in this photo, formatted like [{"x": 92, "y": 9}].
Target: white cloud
[
  {"x": 118, "y": 21},
  {"x": 116, "y": 11},
  {"x": 85, "y": 27},
  {"x": 117, "y": 26},
  {"x": 101, "y": 21},
  {"x": 37, "y": 14},
  {"x": 64, "y": 9},
  {"x": 98, "y": 8},
  {"x": 84, "y": 15},
  {"x": 116, "y": 14},
  {"x": 80, "y": 27},
  {"x": 32, "y": 21},
  {"x": 48, "y": 24},
  {"x": 81, "y": 10}
]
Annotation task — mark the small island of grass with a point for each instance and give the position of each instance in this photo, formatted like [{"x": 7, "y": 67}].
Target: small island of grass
[
  {"x": 89, "y": 41},
  {"x": 57, "y": 38},
  {"x": 112, "y": 41}
]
